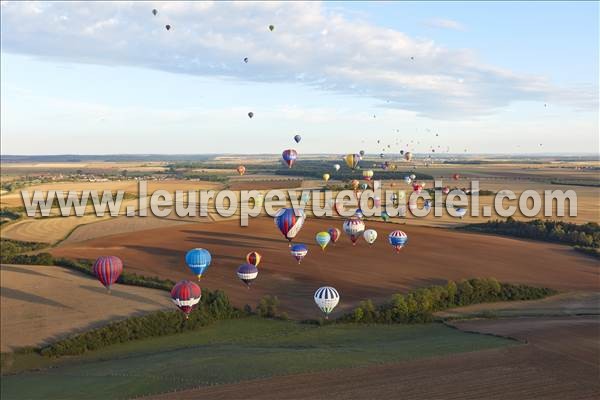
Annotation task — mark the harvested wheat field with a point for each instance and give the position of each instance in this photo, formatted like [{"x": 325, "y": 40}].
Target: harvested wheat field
[
  {"x": 46, "y": 230},
  {"x": 559, "y": 361},
  {"x": 43, "y": 303},
  {"x": 432, "y": 256}
]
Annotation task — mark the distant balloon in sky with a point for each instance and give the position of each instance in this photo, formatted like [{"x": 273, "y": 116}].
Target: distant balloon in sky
[
  {"x": 155, "y": 11},
  {"x": 336, "y": 167},
  {"x": 325, "y": 177},
  {"x": 271, "y": 27},
  {"x": 241, "y": 170},
  {"x": 297, "y": 138},
  {"x": 250, "y": 114},
  {"x": 246, "y": 60},
  {"x": 168, "y": 27}
]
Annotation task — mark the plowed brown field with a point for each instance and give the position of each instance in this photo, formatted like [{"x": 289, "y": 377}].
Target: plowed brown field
[{"x": 431, "y": 256}]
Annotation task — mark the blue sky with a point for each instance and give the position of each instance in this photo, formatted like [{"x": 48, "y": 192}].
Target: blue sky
[{"x": 488, "y": 77}]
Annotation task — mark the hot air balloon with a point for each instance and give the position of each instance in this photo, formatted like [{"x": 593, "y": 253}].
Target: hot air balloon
[
  {"x": 247, "y": 273},
  {"x": 297, "y": 138},
  {"x": 397, "y": 239},
  {"x": 368, "y": 174},
  {"x": 377, "y": 201},
  {"x": 413, "y": 177},
  {"x": 259, "y": 200},
  {"x": 289, "y": 157},
  {"x": 327, "y": 298},
  {"x": 336, "y": 167},
  {"x": 253, "y": 258},
  {"x": 427, "y": 205},
  {"x": 288, "y": 223},
  {"x": 358, "y": 213},
  {"x": 299, "y": 251},
  {"x": 168, "y": 27},
  {"x": 186, "y": 294},
  {"x": 198, "y": 260},
  {"x": 455, "y": 177},
  {"x": 325, "y": 177},
  {"x": 271, "y": 27},
  {"x": 364, "y": 186},
  {"x": 250, "y": 114},
  {"x": 418, "y": 187},
  {"x": 354, "y": 183},
  {"x": 370, "y": 235},
  {"x": 385, "y": 216},
  {"x": 445, "y": 190},
  {"x": 334, "y": 234},
  {"x": 107, "y": 269},
  {"x": 241, "y": 170},
  {"x": 354, "y": 227},
  {"x": 408, "y": 156},
  {"x": 461, "y": 212},
  {"x": 407, "y": 180},
  {"x": 155, "y": 11},
  {"x": 401, "y": 152},
  {"x": 352, "y": 160},
  {"x": 246, "y": 60},
  {"x": 323, "y": 239},
  {"x": 362, "y": 153}
]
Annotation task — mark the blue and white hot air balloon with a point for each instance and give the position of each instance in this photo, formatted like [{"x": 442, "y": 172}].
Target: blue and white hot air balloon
[
  {"x": 198, "y": 260},
  {"x": 299, "y": 251},
  {"x": 397, "y": 239}
]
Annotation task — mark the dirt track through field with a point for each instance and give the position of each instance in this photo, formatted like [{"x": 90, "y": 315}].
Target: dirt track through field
[
  {"x": 432, "y": 256},
  {"x": 560, "y": 361}
]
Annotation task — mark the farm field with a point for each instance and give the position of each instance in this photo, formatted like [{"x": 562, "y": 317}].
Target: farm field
[
  {"x": 43, "y": 303},
  {"x": 559, "y": 361},
  {"x": 432, "y": 256},
  {"x": 223, "y": 353}
]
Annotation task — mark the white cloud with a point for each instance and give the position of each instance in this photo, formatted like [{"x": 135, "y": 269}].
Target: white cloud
[
  {"x": 310, "y": 45},
  {"x": 445, "y": 23}
]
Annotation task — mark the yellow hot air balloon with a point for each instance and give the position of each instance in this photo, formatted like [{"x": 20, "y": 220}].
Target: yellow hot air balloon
[
  {"x": 352, "y": 160},
  {"x": 368, "y": 174},
  {"x": 325, "y": 177}
]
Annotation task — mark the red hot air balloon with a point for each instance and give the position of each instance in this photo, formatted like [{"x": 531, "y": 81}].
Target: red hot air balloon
[
  {"x": 241, "y": 170},
  {"x": 108, "y": 269},
  {"x": 455, "y": 177},
  {"x": 186, "y": 294},
  {"x": 253, "y": 258},
  {"x": 334, "y": 233}
]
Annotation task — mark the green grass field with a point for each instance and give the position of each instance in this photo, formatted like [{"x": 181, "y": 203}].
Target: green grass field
[{"x": 228, "y": 352}]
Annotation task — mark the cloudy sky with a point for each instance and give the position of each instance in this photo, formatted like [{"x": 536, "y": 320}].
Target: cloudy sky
[{"x": 107, "y": 77}]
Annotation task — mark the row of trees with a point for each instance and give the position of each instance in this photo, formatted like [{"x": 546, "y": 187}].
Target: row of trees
[
  {"x": 584, "y": 235},
  {"x": 418, "y": 306},
  {"x": 213, "y": 306}
]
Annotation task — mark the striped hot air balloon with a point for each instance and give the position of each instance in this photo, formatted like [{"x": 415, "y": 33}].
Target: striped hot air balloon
[
  {"x": 397, "y": 239},
  {"x": 108, "y": 269},
  {"x": 198, "y": 260},
  {"x": 299, "y": 251},
  {"x": 352, "y": 160},
  {"x": 334, "y": 234},
  {"x": 367, "y": 174},
  {"x": 253, "y": 258},
  {"x": 241, "y": 170},
  {"x": 323, "y": 239},
  {"x": 186, "y": 294},
  {"x": 327, "y": 298},
  {"x": 288, "y": 223},
  {"x": 289, "y": 157},
  {"x": 247, "y": 274},
  {"x": 354, "y": 227}
]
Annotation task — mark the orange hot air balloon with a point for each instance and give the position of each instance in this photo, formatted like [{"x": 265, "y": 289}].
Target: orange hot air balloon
[
  {"x": 354, "y": 183},
  {"x": 241, "y": 170}
]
